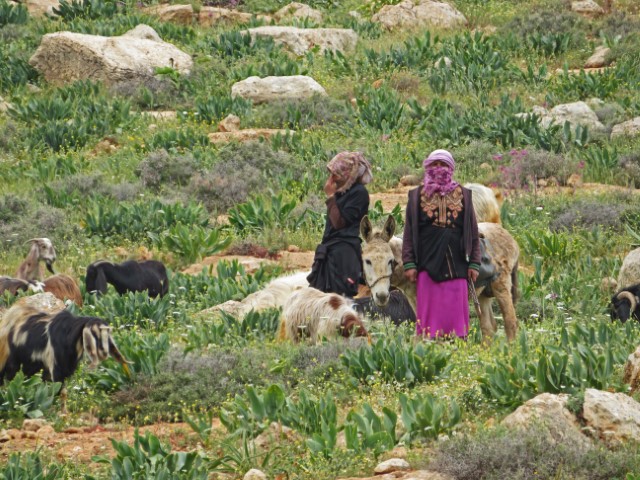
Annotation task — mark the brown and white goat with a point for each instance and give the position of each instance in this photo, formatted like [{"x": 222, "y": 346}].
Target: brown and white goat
[
  {"x": 15, "y": 285},
  {"x": 63, "y": 287},
  {"x": 41, "y": 250},
  {"x": 315, "y": 314},
  {"x": 32, "y": 341}
]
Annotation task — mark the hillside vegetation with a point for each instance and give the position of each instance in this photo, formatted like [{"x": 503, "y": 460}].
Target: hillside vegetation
[{"x": 85, "y": 165}]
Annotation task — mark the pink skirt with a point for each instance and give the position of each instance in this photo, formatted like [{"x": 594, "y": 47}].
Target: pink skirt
[{"x": 442, "y": 307}]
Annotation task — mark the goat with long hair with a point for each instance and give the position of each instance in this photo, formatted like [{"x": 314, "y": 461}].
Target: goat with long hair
[
  {"x": 129, "y": 276},
  {"x": 315, "y": 314},
  {"x": 41, "y": 250}
]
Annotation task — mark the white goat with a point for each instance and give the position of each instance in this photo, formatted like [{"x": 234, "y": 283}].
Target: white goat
[{"x": 315, "y": 314}]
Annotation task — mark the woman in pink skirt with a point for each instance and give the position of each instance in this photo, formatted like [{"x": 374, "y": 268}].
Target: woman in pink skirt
[{"x": 441, "y": 249}]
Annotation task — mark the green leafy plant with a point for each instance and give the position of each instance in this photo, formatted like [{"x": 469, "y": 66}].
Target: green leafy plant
[
  {"x": 148, "y": 458},
  {"x": 396, "y": 360},
  {"x": 252, "y": 416},
  {"x": 379, "y": 108},
  {"x": 262, "y": 212},
  {"x": 89, "y": 9},
  {"x": 12, "y": 13},
  {"x": 191, "y": 242},
  {"x": 29, "y": 465},
  {"x": 368, "y": 431},
  {"x": 27, "y": 397},
  {"x": 427, "y": 417},
  {"x": 216, "y": 107}
]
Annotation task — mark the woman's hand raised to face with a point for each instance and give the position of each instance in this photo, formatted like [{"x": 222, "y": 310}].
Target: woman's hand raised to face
[{"x": 330, "y": 186}]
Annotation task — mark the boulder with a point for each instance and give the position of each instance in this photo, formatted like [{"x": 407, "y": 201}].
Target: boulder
[
  {"x": 40, "y": 8},
  {"x": 180, "y": 14},
  {"x": 33, "y": 424},
  {"x": 244, "y": 135},
  {"x": 206, "y": 16},
  {"x": 419, "y": 13},
  {"x": 577, "y": 113},
  {"x": 392, "y": 465},
  {"x": 44, "y": 302},
  {"x": 301, "y": 40},
  {"x": 66, "y": 57},
  {"x": 209, "y": 16},
  {"x": 632, "y": 370},
  {"x": 548, "y": 411},
  {"x": 599, "y": 58},
  {"x": 299, "y": 11},
  {"x": 614, "y": 417},
  {"x": 630, "y": 128},
  {"x": 277, "y": 89},
  {"x": 587, "y": 7}
]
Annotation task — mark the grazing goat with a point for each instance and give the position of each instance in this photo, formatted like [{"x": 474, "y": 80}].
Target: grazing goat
[
  {"x": 315, "y": 314},
  {"x": 630, "y": 270},
  {"x": 34, "y": 341},
  {"x": 486, "y": 203},
  {"x": 626, "y": 304},
  {"x": 15, "y": 285},
  {"x": 398, "y": 310},
  {"x": 274, "y": 295},
  {"x": 130, "y": 276},
  {"x": 63, "y": 287},
  {"x": 41, "y": 249}
]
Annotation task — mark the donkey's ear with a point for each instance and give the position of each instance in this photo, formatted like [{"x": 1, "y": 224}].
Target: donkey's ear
[
  {"x": 388, "y": 229},
  {"x": 366, "y": 229}
]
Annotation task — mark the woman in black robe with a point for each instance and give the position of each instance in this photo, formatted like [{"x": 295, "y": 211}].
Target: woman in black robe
[{"x": 337, "y": 265}]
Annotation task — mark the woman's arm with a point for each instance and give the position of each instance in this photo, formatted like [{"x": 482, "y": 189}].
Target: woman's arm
[
  {"x": 349, "y": 211},
  {"x": 476, "y": 255},
  {"x": 408, "y": 254}
]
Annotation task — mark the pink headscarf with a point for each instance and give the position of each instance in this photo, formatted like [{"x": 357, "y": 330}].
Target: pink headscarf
[
  {"x": 438, "y": 179},
  {"x": 352, "y": 167}
]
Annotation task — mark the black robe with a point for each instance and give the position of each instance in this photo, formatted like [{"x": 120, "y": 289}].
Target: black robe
[{"x": 337, "y": 265}]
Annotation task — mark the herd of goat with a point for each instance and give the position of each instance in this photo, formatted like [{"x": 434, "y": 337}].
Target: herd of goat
[{"x": 54, "y": 342}]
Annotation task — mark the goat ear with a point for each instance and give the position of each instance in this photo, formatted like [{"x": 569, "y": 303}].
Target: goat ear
[
  {"x": 90, "y": 345},
  {"x": 115, "y": 353},
  {"x": 101, "y": 281},
  {"x": 389, "y": 228},
  {"x": 366, "y": 229}
]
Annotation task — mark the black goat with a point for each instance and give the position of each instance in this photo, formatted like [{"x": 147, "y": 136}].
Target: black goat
[
  {"x": 53, "y": 343},
  {"x": 129, "y": 276},
  {"x": 399, "y": 310},
  {"x": 626, "y": 304}
]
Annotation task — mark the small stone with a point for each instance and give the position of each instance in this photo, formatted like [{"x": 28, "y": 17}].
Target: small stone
[
  {"x": 293, "y": 248},
  {"x": 33, "y": 424},
  {"x": 599, "y": 58},
  {"x": 4, "y": 436},
  {"x": 14, "y": 433},
  {"x": 608, "y": 285},
  {"x": 354, "y": 14},
  {"x": 29, "y": 435},
  {"x": 575, "y": 180},
  {"x": 378, "y": 83},
  {"x": 73, "y": 430},
  {"x": 392, "y": 465},
  {"x": 46, "y": 431},
  {"x": 410, "y": 180},
  {"x": 254, "y": 474},
  {"x": 485, "y": 166},
  {"x": 229, "y": 124},
  {"x": 443, "y": 62}
]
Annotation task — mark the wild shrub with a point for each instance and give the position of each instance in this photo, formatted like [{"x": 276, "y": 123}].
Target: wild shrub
[
  {"x": 133, "y": 309},
  {"x": 523, "y": 167},
  {"x": 551, "y": 22},
  {"x": 14, "y": 69},
  {"x": 630, "y": 164},
  {"x": 38, "y": 221},
  {"x": 190, "y": 242},
  {"x": 11, "y": 207},
  {"x": 260, "y": 213},
  {"x": 186, "y": 138},
  {"x": 426, "y": 417},
  {"x": 583, "y": 85},
  {"x": 89, "y": 9},
  {"x": 529, "y": 453},
  {"x": 242, "y": 169},
  {"x": 235, "y": 44},
  {"x": 588, "y": 214},
  {"x": 380, "y": 108},
  {"x": 161, "y": 167},
  {"x": 12, "y": 14}
]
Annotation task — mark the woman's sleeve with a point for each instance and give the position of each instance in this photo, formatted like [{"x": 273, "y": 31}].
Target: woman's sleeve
[
  {"x": 349, "y": 212},
  {"x": 408, "y": 255},
  {"x": 476, "y": 254}
]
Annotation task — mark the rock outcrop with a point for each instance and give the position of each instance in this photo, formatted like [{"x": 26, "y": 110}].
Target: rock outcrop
[
  {"x": 277, "y": 89},
  {"x": 301, "y": 40},
  {"x": 298, "y": 11},
  {"x": 419, "y": 13},
  {"x": 630, "y": 128},
  {"x": 65, "y": 57}
]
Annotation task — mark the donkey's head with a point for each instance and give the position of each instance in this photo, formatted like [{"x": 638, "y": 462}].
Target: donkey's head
[{"x": 378, "y": 258}]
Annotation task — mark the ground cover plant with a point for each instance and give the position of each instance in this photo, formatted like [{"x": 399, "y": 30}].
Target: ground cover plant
[{"x": 94, "y": 168}]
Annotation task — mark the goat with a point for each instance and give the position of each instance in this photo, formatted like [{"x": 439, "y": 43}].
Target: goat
[
  {"x": 34, "y": 341},
  {"x": 321, "y": 315},
  {"x": 15, "y": 285},
  {"x": 63, "y": 287},
  {"x": 398, "y": 310},
  {"x": 274, "y": 295},
  {"x": 626, "y": 304},
  {"x": 630, "y": 270},
  {"x": 130, "y": 276},
  {"x": 41, "y": 249}
]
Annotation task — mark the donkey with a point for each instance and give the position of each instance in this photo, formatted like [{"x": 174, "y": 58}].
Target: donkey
[{"x": 382, "y": 267}]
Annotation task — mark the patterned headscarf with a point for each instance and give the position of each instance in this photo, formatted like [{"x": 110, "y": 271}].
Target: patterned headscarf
[
  {"x": 352, "y": 168},
  {"x": 438, "y": 179}
]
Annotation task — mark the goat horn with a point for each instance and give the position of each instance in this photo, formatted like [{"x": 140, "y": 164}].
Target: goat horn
[
  {"x": 32, "y": 240},
  {"x": 624, "y": 295}
]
